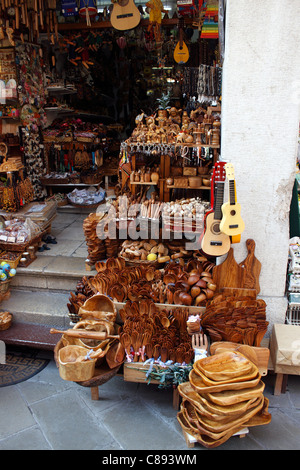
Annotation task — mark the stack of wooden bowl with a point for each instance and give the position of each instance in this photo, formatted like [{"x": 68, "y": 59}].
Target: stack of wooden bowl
[
  {"x": 93, "y": 341},
  {"x": 95, "y": 245},
  {"x": 224, "y": 395}
]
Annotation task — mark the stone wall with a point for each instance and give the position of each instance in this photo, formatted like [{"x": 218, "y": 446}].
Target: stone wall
[{"x": 260, "y": 125}]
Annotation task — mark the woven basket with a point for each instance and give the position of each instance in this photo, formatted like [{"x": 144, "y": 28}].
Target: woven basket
[
  {"x": 4, "y": 286},
  {"x": 181, "y": 182},
  {"x": 12, "y": 263},
  {"x": 195, "y": 181}
]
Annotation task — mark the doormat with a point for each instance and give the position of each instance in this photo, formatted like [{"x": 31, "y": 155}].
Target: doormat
[{"x": 20, "y": 365}]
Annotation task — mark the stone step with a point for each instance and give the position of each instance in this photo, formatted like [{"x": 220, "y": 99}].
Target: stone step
[
  {"x": 54, "y": 273},
  {"x": 38, "y": 307}
]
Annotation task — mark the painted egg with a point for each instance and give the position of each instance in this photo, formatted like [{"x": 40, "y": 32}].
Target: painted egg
[{"x": 6, "y": 267}]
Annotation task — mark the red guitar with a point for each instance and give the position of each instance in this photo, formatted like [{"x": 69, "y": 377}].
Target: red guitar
[{"x": 215, "y": 242}]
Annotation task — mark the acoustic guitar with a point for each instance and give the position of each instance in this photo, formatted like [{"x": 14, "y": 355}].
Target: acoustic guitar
[
  {"x": 232, "y": 223},
  {"x": 125, "y": 15},
  {"x": 214, "y": 241},
  {"x": 181, "y": 52}
]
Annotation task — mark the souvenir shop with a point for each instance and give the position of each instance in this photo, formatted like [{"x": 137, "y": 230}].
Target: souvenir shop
[{"x": 115, "y": 111}]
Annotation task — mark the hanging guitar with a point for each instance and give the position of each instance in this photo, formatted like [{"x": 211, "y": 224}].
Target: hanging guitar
[
  {"x": 125, "y": 15},
  {"x": 181, "y": 52},
  {"x": 232, "y": 223},
  {"x": 214, "y": 241}
]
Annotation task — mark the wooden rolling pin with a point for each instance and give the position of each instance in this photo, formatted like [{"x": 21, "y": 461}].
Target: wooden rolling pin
[{"x": 84, "y": 334}]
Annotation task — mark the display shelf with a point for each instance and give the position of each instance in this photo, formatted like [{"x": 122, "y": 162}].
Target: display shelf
[
  {"x": 61, "y": 89},
  {"x": 187, "y": 187},
  {"x": 59, "y": 110},
  {"x": 71, "y": 185},
  {"x": 150, "y": 183}
]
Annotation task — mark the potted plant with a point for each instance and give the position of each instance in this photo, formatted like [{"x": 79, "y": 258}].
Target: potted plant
[{"x": 163, "y": 105}]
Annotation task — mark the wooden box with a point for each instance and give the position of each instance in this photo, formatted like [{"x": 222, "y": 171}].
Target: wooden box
[
  {"x": 189, "y": 171},
  {"x": 136, "y": 372}
]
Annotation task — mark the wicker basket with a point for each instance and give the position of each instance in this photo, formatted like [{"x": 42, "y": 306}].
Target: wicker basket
[
  {"x": 4, "y": 286},
  {"x": 195, "y": 181},
  {"x": 12, "y": 263},
  {"x": 181, "y": 182},
  {"x": 21, "y": 247}
]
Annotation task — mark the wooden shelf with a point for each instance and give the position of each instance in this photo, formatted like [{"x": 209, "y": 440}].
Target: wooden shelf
[
  {"x": 187, "y": 187},
  {"x": 107, "y": 24},
  {"x": 71, "y": 185},
  {"x": 61, "y": 89},
  {"x": 145, "y": 183}
]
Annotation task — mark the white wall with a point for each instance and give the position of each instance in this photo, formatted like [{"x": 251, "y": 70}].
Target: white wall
[{"x": 260, "y": 123}]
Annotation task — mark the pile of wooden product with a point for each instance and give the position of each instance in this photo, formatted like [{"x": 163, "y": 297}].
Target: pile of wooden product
[
  {"x": 149, "y": 332},
  {"x": 235, "y": 319},
  {"x": 95, "y": 246},
  {"x": 223, "y": 396},
  {"x": 188, "y": 285},
  {"x": 99, "y": 244},
  {"x": 144, "y": 250},
  {"x": 93, "y": 341}
]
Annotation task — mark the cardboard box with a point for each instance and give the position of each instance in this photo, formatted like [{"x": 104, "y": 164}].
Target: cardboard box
[{"x": 285, "y": 349}]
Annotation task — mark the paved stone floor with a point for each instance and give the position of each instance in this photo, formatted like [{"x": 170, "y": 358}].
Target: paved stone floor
[{"x": 48, "y": 413}]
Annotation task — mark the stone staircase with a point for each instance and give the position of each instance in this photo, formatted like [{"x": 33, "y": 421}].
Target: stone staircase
[{"x": 39, "y": 297}]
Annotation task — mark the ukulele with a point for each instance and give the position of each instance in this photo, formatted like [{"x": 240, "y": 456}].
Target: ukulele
[
  {"x": 232, "y": 224},
  {"x": 214, "y": 241},
  {"x": 181, "y": 52},
  {"x": 125, "y": 15}
]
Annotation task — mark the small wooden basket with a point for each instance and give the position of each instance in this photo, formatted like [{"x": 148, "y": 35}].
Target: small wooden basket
[
  {"x": 195, "y": 181},
  {"x": 4, "y": 286},
  {"x": 5, "y": 320},
  {"x": 75, "y": 371}
]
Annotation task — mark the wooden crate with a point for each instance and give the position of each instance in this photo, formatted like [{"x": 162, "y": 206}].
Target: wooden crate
[{"x": 136, "y": 372}]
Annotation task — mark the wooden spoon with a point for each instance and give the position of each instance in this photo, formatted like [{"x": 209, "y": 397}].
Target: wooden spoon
[
  {"x": 156, "y": 351},
  {"x": 164, "y": 354},
  {"x": 149, "y": 350},
  {"x": 126, "y": 342}
]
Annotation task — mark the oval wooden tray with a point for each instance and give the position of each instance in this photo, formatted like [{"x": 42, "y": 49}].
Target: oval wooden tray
[
  {"x": 200, "y": 387},
  {"x": 225, "y": 366}
]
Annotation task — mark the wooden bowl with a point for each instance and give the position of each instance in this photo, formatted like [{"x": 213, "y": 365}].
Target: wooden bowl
[
  {"x": 225, "y": 366},
  {"x": 71, "y": 370},
  {"x": 5, "y": 320}
]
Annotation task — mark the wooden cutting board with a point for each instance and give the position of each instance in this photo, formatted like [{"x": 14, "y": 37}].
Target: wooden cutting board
[
  {"x": 252, "y": 267},
  {"x": 229, "y": 273}
]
